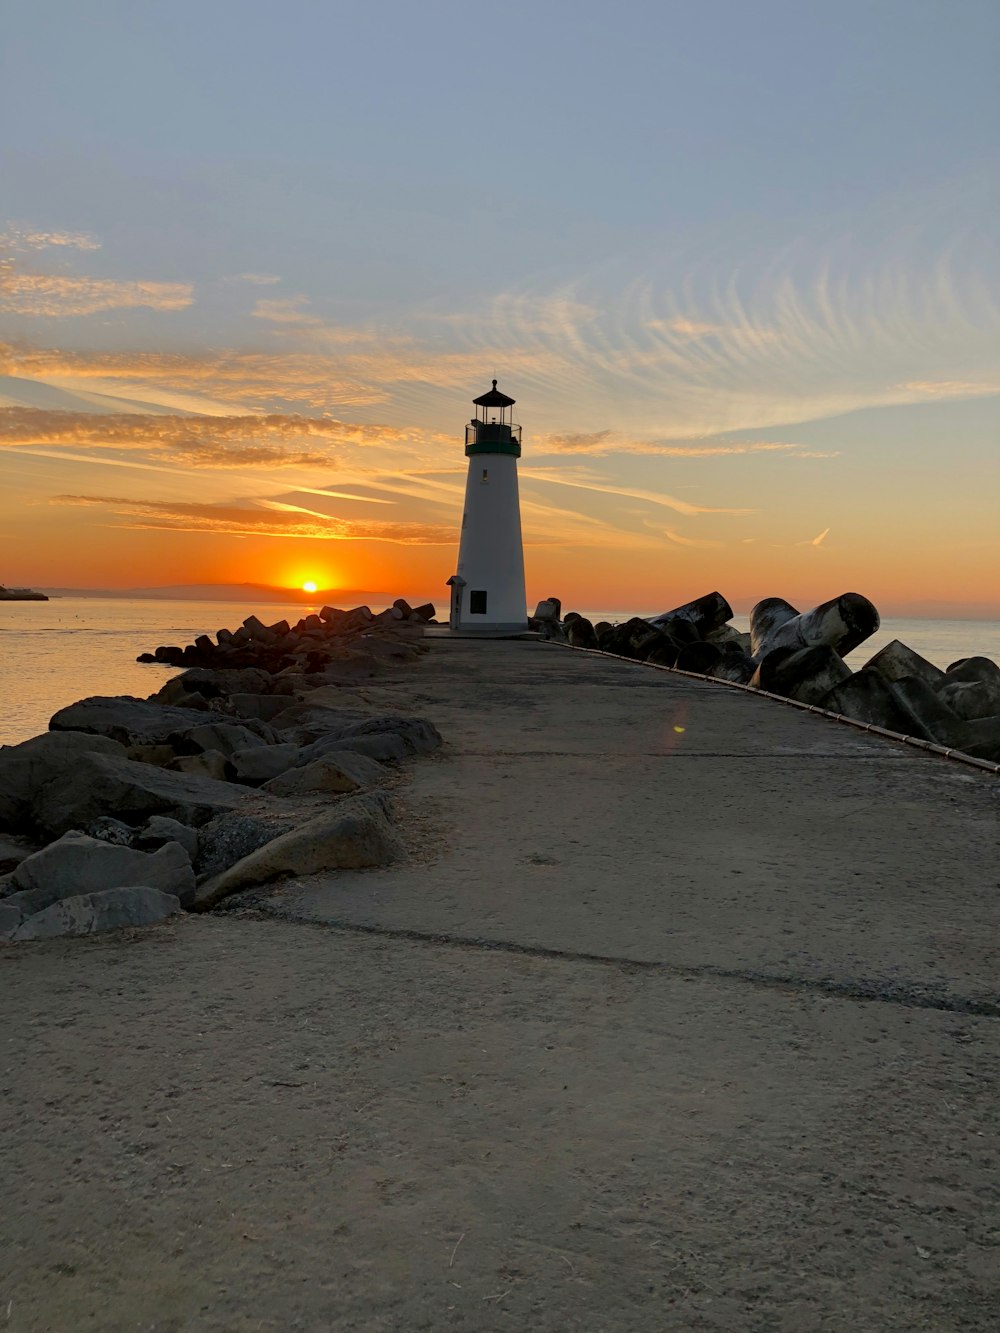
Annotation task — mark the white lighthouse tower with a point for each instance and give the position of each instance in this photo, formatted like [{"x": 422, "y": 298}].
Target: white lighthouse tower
[{"x": 487, "y": 592}]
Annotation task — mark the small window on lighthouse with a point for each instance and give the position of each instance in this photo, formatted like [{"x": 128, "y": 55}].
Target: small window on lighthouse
[
  {"x": 477, "y": 604},
  {"x": 486, "y": 475}
]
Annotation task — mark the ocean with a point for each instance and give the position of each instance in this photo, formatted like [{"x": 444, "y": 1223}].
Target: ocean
[{"x": 52, "y": 653}]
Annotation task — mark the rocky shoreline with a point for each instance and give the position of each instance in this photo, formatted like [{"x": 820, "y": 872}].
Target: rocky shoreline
[
  {"x": 800, "y": 656},
  {"x": 263, "y": 759}
]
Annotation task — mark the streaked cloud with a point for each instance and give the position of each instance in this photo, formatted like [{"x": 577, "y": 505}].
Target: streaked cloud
[
  {"x": 254, "y": 279},
  {"x": 603, "y": 443},
  {"x": 264, "y": 441},
  {"x": 18, "y": 238},
  {"x": 252, "y": 521},
  {"x": 58, "y": 295},
  {"x": 660, "y": 498},
  {"x": 953, "y": 388}
]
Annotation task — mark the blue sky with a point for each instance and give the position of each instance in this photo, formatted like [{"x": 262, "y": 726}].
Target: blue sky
[{"x": 671, "y": 229}]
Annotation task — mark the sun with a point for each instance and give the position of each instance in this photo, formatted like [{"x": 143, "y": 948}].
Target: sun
[{"x": 309, "y": 586}]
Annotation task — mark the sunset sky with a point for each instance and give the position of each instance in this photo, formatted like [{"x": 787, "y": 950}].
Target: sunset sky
[{"x": 738, "y": 264}]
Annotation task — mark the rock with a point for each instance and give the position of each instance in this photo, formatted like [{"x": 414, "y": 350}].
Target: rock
[
  {"x": 111, "y": 830},
  {"x": 160, "y": 755},
  {"x": 160, "y": 829},
  {"x": 705, "y": 613},
  {"x": 207, "y": 764},
  {"x": 698, "y": 657},
  {"x": 233, "y": 835},
  {"x": 97, "y": 782},
  {"x": 126, "y": 719},
  {"x": 355, "y": 835},
  {"x": 842, "y": 623},
  {"x": 338, "y": 771},
  {"x": 765, "y": 619},
  {"x": 32, "y": 766},
  {"x": 418, "y": 734},
  {"x": 580, "y": 633},
  {"x": 896, "y": 660},
  {"x": 214, "y": 684},
  {"x": 866, "y": 697},
  {"x": 260, "y": 763},
  {"x": 386, "y": 747},
  {"x": 971, "y": 699},
  {"x": 257, "y": 706},
  {"x": 108, "y": 909},
  {"x": 12, "y": 852},
  {"x": 78, "y": 864},
  {"x": 226, "y": 737},
  {"x": 805, "y": 674}
]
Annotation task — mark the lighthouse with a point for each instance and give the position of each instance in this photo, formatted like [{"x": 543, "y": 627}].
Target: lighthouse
[{"x": 487, "y": 592}]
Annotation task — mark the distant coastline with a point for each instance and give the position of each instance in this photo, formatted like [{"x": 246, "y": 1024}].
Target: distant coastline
[
  {"x": 224, "y": 592},
  {"x": 21, "y": 595}
]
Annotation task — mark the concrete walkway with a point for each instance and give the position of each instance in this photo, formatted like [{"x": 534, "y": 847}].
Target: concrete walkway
[{"x": 681, "y": 1014}]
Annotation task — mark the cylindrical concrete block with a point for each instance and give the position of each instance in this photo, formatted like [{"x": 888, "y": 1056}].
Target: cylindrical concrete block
[
  {"x": 765, "y": 618},
  {"x": 842, "y": 623},
  {"x": 705, "y": 613}
]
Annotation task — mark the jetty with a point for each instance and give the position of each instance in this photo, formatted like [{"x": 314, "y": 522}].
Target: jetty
[{"x": 679, "y": 1011}]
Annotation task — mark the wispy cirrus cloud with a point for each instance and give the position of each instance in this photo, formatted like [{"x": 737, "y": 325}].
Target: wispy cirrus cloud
[
  {"x": 26, "y": 238},
  {"x": 259, "y": 520},
  {"x": 264, "y": 441},
  {"x": 659, "y": 498},
  {"x": 58, "y": 295},
  {"x": 602, "y": 443}
]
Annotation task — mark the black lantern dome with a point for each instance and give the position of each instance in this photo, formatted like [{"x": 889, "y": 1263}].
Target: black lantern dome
[{"x": 492, "y": 431}]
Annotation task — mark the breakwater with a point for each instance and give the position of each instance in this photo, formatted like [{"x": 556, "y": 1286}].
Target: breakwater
[
  {"x": 266, "y": 759},
  {"x": 801, "y": 656}
]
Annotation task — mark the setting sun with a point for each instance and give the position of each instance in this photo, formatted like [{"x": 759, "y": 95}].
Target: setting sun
[{"x": 309, "y": 586}]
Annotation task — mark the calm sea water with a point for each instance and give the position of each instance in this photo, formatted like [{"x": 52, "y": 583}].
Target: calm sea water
[{"x": 54, "y": 652}]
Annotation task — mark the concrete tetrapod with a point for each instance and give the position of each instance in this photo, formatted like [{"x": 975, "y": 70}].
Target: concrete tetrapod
[{"x": 842, "y": 623}]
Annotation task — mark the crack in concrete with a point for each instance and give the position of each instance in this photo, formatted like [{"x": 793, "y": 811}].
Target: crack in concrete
[{"x": 908, "y": 995}]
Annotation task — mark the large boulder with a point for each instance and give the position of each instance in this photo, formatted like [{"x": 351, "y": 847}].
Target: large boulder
[
  {"x": 126, "y": 719},
  {"x": 160, "y": 829},
  {"x": 355, "y": 835},
  {"x": 29, "y": 768},
  {"x": 78, "y": 864},
  {"x": 99, "y": 782},
  {"x": 226, "y": 737},
  {"x": 260, "y": 763},
  {"x": 336, "y": 772},
  {"x": 108, "y": 909}
]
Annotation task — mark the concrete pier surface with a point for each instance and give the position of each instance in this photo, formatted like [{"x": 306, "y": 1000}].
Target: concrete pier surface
[{"x": 681, "y": 1012}]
